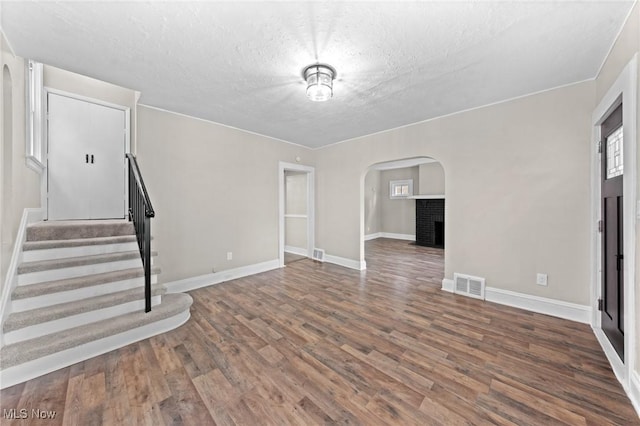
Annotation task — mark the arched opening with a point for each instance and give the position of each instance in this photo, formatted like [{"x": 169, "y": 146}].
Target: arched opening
[
  {"x": 403, "y": 211},
  {"x": 7, "y": 169}
]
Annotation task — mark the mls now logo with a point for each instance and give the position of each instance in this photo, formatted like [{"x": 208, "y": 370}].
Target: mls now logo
[{"x": 35, "y": 413}]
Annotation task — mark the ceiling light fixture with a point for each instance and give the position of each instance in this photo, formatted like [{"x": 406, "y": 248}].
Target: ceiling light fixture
[{"x": 319, "y": 80}]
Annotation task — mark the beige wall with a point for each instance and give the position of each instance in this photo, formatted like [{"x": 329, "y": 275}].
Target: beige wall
[
  {"x": 398, "y": 215},
  {"x": 214, "y": 190},
  {"x": 70, "y": 82},
  {"x": 372, "y": 202},
  {"x": 431, "y": 180},
  {"x": 517, "y": 177},
  {"x": 21, "y": 185},
  {"x": 626, "y": 46},
  {"x": 295, "y": 203}
]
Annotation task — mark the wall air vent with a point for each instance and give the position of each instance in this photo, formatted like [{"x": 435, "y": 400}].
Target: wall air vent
[
  {"x": 318, "y": 254},
  {"x": 468, "y": 285}
]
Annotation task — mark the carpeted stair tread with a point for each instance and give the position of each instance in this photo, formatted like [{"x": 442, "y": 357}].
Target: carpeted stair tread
[
  {"x": 70, "y": 262},
  {"x": 28, "y": 350},
  {"x": 80, "y": 242},
  {"x": 18, "y": 320},
  {"x": 71, "y": 230},
  {"x": 68, "y": 284}
]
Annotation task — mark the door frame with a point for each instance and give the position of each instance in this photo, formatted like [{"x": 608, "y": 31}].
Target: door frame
[
  {"x": 310, "y": 171},
  {"x": 623, "y": 90},
  {"x": 44, "y": 177}
]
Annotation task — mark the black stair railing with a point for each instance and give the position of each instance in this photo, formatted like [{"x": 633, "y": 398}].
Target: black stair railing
[{"x": 141, "y": 212}]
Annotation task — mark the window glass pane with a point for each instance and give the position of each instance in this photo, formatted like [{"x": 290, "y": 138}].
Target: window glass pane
[{"x": 614, "y": 145}]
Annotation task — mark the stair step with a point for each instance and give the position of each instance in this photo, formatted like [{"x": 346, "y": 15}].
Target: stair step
[
  {"x": 18, "y": 353},
  {"x": 57, "y": 286},
  {"x": 77, "y": 229},
  {"x": 48, "y": 265},
  {"x": 27, "y": 325},
  {"x": 80, "y": 242}
]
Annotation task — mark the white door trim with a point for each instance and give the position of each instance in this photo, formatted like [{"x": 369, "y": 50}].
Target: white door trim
[
  {"x": 623, "y": 90},
  {"x": 44, "y": 200},
  {"x": 282, "y": 167}
]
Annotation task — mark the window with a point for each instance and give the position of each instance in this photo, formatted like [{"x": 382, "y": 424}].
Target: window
[
  {"x": 401, "y": 188},
  {"x": 35, "y": 126},
  {"x": 615, "y": 162}
]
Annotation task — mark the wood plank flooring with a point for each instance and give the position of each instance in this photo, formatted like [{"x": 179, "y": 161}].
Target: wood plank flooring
[{"x": 319, "y": 344}]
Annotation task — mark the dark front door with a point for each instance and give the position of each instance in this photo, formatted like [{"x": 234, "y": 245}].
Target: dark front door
[{"x": 612, "y": 231}]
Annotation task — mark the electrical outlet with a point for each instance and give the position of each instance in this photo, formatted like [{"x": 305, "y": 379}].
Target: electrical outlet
[
  {"x": 541, "y": 279},
  {"x": 229, "y": 255}
]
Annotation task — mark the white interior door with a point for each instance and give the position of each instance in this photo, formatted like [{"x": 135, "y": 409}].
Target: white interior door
[{"x": 86, "y": 144}]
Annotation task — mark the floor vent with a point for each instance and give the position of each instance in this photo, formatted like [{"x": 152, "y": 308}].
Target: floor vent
[
  {"x": 469, "y": 286},
  {"x": 318, "y": 254}
]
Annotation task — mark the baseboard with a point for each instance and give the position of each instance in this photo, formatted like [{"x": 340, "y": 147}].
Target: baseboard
[
  {"x": 447, "y": 285},
  {"x": 188, "y": 284},
  {"x": 634, "y": 391},
  {"x": 296, "y": 250},
  {"x": 38, "y": 367},
  {"x": 347, "y": 263},
  {"x": 542, "y": 305},
  {"x": 407, "y": 237},
  {"x": 29, "y": 216},
  {"x": 391, "y": 235}
]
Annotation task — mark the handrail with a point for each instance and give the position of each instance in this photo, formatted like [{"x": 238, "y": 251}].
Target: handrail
[
  {"x": 140, "y": 213},
  {"x": 138, "y": 178}
]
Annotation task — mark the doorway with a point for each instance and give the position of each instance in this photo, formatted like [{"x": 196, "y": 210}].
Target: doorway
[
  {"x": 296, "y": 212},
  {"x": 87, "y": 141},
  {"x": 404, "y": 200},
  {"x": 612, "y": 174}
]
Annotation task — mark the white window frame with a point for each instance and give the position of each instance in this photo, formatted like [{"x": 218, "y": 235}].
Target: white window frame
[
  {"x": 395, "y": 183},
  {"x": 35, "y": 119}
]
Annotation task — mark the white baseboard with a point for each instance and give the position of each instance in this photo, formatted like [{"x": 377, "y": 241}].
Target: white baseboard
[
  {"x": 188, "y": 284},
  {"x": 634, "y": 391},
  {"x": 407, "y": 237},
  {"x": 296, "y": 250},
  {"x": 38, "y": 367},
  {"x": 447, "y": 285},
  {"x": 542, "y": 305},
  {"x": 393, "y": 236},
  {"x": 29, "y": 216},
  {"x": 347, "y": 263}
]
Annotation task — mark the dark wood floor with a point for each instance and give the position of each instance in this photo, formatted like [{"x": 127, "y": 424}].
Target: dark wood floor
[{"x": 319, "y": 344}]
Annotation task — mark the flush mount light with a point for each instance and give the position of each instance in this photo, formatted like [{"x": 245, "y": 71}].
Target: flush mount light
[{"x": 319, "y": 80}]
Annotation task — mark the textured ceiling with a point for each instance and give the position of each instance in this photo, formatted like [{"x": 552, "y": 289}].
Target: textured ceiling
[{"x": 240, "y": 63}]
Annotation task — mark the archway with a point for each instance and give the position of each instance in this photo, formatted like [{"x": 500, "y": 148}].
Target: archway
[{"x": 393, "y": 193}]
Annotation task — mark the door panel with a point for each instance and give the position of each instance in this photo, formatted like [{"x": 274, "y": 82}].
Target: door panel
[
  {"x": 107, "y": 163},
  {"x": 67, "y": 167},
  {"x": 86, "y": 160},
  {"x": 612, "y": 317}
]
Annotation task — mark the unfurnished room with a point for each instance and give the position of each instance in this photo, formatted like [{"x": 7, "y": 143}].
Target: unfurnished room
[{"x": 319, "y": 212}]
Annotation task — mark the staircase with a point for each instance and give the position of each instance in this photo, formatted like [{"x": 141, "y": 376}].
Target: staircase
[{"x": 80, "y": 293}]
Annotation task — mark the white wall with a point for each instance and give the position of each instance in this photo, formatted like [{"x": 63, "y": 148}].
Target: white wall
[
  {"x": 431, "y": 180},
  {"x": 398, "y": 215},
  {"x": 23, "y": 190},
  {"x": 517, "y": 176},
  {"x": 214, "y": 190},
  {"x": 372, "y": 202}
]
